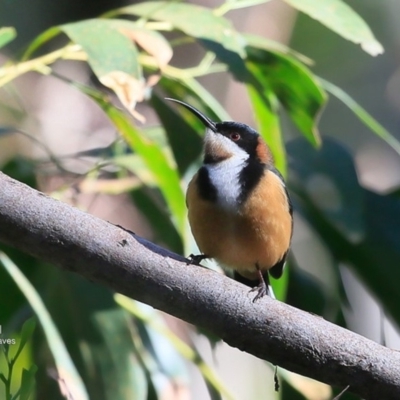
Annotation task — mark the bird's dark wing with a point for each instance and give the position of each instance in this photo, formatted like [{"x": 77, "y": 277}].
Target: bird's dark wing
[{"x": 277, "y": 270}]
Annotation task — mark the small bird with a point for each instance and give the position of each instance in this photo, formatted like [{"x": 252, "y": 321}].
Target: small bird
[{"x": 239, "y": 209}]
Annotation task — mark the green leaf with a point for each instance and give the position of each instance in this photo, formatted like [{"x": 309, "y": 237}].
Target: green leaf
[
  {"x": 193, "y": 20},
  {"x": 7, "y": 34},
  {"x": 65, "y": 366},
  {"x": 164, "y": 230},
  {"x": 159, "y": 164},
  {"x": 372, "y": 251},
  {"x": 232, "y": 60},
  {"x": 26, "y": 333},
  {"x": 74, "y": 305},
  {"x": 107, "y": 48},
  {"x": 264, "y": 104},
  {"x": 165, "y": 173},
  {"x": 121, "y": 366},
  {"x": 28, "y": 383},
  {"x": 293, "y": 84},
  {"x": 270, "y": 76},
  {"x": 288, "y": 392},
  {"x": 185, "y": 350},
  {"x": 280, "y": 286},
  {"x": 160, "y": 359},
  {"x": 363, "y": 115},
  {"x": 331, "y": 185},
  {"x": 342, "y": 19},
  {"x": 40, "y": 41},
  {"x": 261, "y": 42},
  {"x": 22, "y": 170}
]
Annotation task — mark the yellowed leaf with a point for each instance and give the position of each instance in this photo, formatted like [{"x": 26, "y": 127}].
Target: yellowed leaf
[{"x": 109, "y": 186}]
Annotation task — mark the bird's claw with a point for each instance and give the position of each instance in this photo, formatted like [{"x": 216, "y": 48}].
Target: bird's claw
[
  {"x": 261, "y": 290},
  {"x": 196, "y": 259}
]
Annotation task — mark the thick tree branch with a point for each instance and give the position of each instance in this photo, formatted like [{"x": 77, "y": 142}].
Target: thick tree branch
[{"x": 73, "y": 240}]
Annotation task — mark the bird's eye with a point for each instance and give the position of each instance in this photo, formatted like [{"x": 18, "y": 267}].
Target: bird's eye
[{"x": 234, "y": 136}]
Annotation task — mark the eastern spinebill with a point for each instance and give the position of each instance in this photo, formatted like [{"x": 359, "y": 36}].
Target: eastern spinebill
[{"x": 239, "y": 209}]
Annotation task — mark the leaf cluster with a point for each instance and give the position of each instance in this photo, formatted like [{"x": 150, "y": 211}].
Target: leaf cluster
[{"x": 130, "y": 51}]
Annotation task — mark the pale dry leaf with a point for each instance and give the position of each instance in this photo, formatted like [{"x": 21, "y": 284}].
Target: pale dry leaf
[
  {"x": 109, "y": 186},
  {"x": 152, "y": 44},
  {"x": 129, "y": 90}
]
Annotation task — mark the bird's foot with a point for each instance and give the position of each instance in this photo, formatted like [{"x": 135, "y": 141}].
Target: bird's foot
[
  {"x": 196, "y": 259},
  {"x": 261, "y": 289}
]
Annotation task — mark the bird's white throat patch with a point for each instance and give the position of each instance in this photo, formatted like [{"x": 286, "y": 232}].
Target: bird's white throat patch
[{"x": 224, "y": 175}]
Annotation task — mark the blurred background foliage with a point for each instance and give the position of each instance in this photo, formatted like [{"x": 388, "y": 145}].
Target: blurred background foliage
[{"x": 83, "y": 118}]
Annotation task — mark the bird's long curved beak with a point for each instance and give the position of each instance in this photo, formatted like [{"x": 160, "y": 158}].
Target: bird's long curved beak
[{"x": 206, "y": 121}]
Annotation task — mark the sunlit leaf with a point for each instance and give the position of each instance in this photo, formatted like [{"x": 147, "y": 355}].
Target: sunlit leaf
[
  {"x": 40, "y": 40},
  {"x": 180, "y": 16},
  {"x": 264, "y": 105},
  {"x": 342, "y": 19},
  {"x": 164, "y": 172},
  {"x": 7, "y": 34},
  {"x": 157, "y": 162},
  {"x": 262, "y": 42},
  {"x": 66, "y": 369}
]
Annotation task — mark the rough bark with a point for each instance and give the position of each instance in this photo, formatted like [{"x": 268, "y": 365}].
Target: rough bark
[{"x": 307, "y": 344}]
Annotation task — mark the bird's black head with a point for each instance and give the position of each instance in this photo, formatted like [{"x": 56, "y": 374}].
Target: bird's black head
[
  {"x": 242, "y": 138},
  {"x": 241, "y": 134}
]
